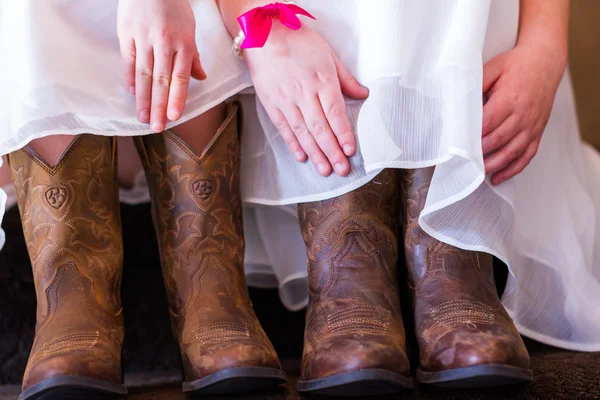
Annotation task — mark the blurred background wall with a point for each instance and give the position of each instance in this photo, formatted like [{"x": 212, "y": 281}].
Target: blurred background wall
[{"x": 584, "y": 60}]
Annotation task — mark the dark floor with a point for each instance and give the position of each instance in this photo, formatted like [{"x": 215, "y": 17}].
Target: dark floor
[{"x": 150, "y": 354}]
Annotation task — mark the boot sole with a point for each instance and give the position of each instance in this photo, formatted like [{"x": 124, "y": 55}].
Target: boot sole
[
  {"x": 236, "y": 380},
  {"x": 477, "y": 376},
  {"x": 73, "y": 387},
  {"x": 366, "y": 382}
]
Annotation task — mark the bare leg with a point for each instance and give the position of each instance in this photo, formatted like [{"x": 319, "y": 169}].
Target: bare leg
[
  {"x": 129, "y": 163},
  {"x": 198, "y": 132},
  {"x": 51, "y": 148}
]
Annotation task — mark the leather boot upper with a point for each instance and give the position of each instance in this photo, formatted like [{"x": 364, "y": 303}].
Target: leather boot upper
[
  {"x": 459, "y": 319},
  {"x": 197, "y": 213},
  {"x": 71, "y": 223},
  {"x": 353, "y": 320}
]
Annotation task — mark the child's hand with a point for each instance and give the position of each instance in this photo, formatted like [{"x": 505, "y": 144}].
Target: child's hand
[
  {"x": 300, "y": 82},
  {"x": 521, "y": 85},
  {"x": 159, "y": 52}
]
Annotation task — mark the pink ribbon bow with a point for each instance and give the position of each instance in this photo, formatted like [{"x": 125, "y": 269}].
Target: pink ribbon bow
[{"x": 257, "y": 23}]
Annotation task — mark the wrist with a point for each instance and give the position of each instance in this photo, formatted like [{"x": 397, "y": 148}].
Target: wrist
[
  {"x": 269, "y": 27},
  {"x": 232, "y": 9},
  {"x": 552, "y": 52},
  {"x": 544, "y": 28}
]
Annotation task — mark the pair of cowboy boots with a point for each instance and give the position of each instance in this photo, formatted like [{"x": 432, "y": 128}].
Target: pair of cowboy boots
[
  {"x": 71, "y": 222},
  {"x": 355, "y": 340}
]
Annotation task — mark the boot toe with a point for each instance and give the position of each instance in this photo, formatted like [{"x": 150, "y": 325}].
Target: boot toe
[
  {"x": 467, "y": 349},
  {"x": 203, "y": 361},
  {"x": 74, "y": 365},
  {"x": 349, "y": 354}
]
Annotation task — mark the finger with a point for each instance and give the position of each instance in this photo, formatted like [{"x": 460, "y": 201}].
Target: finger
[
  {"x": 348, "y": 83},
  {"x": 306, "y": 140},
  {"x": 128, "y": 54},
  {"x": 144, "y": 66},
  {"x": 334, "y": 106},
  {"x": 501, "y": 135},
  {"x": 197, "y": 70},
  {"x": 495, "y": 112},
  {"x": 287, "y": 134},
  {"x": 321, "y": 131},
  {"x": 507, "y": 154},
  {"x": 161, "y": 82},
  {"x": 180, "y": 83},
  {"x": 517, "y": 166},
  {"x": 492, "y": 71}
]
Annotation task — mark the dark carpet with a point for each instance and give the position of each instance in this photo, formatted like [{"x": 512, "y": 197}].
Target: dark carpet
[{"x": 150, "y": 350}]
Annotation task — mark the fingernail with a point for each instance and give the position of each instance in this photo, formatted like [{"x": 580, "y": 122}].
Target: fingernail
[
  {"x": 157, "y": 127},
  {"x": 339, "y": 169},
  {"x": 323, "y": 170},
  {"x": 144, "y": 116},
  {"x": 173, "y": 114},
  {"x": 347, "y": 150},
  {"x": 299, "y": 156},
  {"x": 132, "y": 90}
]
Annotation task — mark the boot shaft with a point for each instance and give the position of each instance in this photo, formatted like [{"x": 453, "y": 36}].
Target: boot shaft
[
  {"x": 70, "y": 215},
  {"x": 366, "y": 218},
  {"x": 425, "y": 254},
  {"x": 197, "y": 207}
]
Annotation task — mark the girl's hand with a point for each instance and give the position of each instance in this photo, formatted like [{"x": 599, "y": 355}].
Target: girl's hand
[
  {"x": 159, "y": 53},
  {"x": 521, "y": 85},
  {"x": 300, "y": 82}
]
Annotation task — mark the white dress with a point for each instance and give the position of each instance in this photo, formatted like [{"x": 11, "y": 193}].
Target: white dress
[{"x": 422, "y": 61}]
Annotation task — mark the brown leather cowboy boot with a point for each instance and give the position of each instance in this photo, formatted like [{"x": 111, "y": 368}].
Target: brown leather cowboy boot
[
  {"x": 465, "y": 336},
  {"x": 354, "y": 341},
  {"x": 72, "y": 228},
  {"x": 197, "y": 214}
]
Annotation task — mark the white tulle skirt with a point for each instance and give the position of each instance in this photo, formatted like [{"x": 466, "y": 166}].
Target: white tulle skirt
[{"x": 422, "y": 61}]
